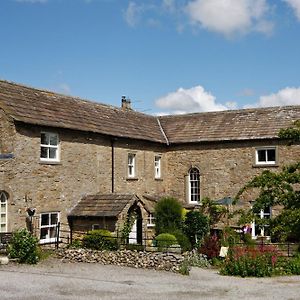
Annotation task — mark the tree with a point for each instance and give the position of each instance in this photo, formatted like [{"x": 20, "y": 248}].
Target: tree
[
  {"x": 196, "y": 226},
  {"x": 168, "y": 212},
  {"x": 279, "y": 188}
]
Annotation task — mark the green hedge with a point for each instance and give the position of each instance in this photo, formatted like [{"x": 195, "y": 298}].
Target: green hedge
[
  {"x": 99, "y": 239},
  {"x": 165, "y": 240}
]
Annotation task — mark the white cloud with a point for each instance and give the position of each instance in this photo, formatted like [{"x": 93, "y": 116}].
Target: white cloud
[
  {"x": 133, "y": 13},
  {"x": 195, "y": 99},
  {"x": 286, "y": 96},
  {"x": 230, "y": 17},
  {"x": 169, "y": 5},
  {"x": 295, "y": 4},
  {"x": 32, "y": 1}
]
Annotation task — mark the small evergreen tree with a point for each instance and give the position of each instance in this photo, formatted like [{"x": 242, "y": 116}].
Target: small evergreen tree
[
  {"x": 196, "y": 226},
  {"x": 168, "y": 213}
]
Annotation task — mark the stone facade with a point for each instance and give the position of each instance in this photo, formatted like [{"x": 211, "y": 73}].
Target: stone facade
[
  {"x": 85, "y": 167},
  {"x": 94, "y": 159},
  {"x": 224, "y": 167}
]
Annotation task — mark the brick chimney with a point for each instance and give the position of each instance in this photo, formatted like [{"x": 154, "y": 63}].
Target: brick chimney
[{"x": 126, "y": 103}]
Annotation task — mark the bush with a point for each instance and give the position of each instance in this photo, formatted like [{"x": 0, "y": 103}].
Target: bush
[
  {"x": 251, "y": 261},
  {"x": 165, "y": 240},
  {"x": 230, "y": 237},
  {"x": 196, "y": 226},
  {"x": 168, "y": 212},
  {"x": 99, "y": 239},
  {"x": 210, "y": 246},
  {"x": 76, "y": 244},
  {"x": 182, "y": 240},
  {"x": 24, "y": 246}
]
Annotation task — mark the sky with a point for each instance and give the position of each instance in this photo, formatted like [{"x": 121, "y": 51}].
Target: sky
[{"x": 167, "y": 56}]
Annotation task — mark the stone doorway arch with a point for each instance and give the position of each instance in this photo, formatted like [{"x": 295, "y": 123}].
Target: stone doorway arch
[{"x": 135, "y": 217}]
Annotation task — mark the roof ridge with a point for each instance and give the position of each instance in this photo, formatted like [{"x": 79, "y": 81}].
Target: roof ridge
[
  {"x": 74, "y": 98},
  {"x": 241, "y": 110}
]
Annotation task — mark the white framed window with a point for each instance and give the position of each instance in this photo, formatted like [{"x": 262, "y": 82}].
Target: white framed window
[
  {"x": 265, "y": 156},
  {"x": 194, "y": 186},
  {"x": 48, "y": 227},
  {"x": 157, "y": 167},
  {"x": 3, "y": 211},
  {"x": 131, "y": 165},
  {"x": 49, "y": 146},
  {"x": 151, "y": 221},
  {"x": 262, "y": 230}
]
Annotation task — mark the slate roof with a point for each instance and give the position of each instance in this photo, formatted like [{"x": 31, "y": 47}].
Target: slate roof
[
  {"x": 245, "y": 124},
  {"x": 40, "y": 107},
  {"x": 46, "y": 108},
  {"x": 102, "y": 205}
]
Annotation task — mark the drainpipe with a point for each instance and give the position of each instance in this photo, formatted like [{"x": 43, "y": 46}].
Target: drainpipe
[{"x": 112, "y": 165}]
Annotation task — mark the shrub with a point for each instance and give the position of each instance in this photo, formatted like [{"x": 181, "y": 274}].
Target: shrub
[
  {"x": 165, "y": 240},
  {"x": 210, "y": 246},
  {"x": 182, "y": 240},
  {"x": 168, "y": 215},
  {"x": 251, "y": 261},
  {"x": 99, "y": 239},
  {"x": 196, "y": 226},
  {"x": 24, "y": 246},
  {"x": 197, "y": 260},
  {"x": 76, "y": 244},
  {"x": 230, "y": 237}
]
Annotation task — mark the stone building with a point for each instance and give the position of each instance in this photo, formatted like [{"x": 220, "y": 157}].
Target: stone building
[{"x": 68, "y": 160}]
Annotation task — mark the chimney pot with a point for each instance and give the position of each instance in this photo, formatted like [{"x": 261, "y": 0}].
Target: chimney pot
[{"x": 126, "y": 103}]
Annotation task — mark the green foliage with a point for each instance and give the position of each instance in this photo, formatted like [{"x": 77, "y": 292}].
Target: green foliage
[
  {"x": 229, "y": 237},
  {"x": 215, "y": 212},
  {"x": 193, "y": 259},
  {"x": 182, "y": 240},
  {"x": 184, "y": 268},
  {"x": 168, "y": 215},
  {"x": 211, "y": 246},
  {"x": 292, "y": 133},
  {"x": 259, "y": 261},
  {"x": 127, "y": 226},
  {"x": 165, "y": 240},
  {"x": 196, "y": 259},
  {"x": 99, "y": 239},
  {"x": 277, "y": 188},
  {"x": 24, "y": 246},
  {"x": 76, "y": 244},
  {"x": 196, "y": 226}
]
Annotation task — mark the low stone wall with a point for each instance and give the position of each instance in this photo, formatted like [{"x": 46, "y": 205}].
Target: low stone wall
[{"x": 128, "y": 258}]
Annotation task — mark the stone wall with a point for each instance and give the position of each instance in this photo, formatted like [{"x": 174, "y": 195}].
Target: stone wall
[
  {"x": 85, "y": 167},
  {"x": 224, "y": 167},
  {"x": 128, "y": 258}
]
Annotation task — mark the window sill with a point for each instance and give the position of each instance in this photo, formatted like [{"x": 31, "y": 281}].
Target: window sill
[
  {"x": 50, "y": 162},
  {"x": 265, "y": 165},
  {"x": 159, "y": 179},
  {"x": 132, "y": 179},
  {"x": 193, "y": 204},
  {"x": 150, "y": 225}
]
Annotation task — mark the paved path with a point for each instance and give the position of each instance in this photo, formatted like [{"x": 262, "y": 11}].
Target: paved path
[{"x": 57, "y": 280}]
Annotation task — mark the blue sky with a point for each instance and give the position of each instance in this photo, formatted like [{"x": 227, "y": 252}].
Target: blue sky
[{"x": 168, "y": 56}]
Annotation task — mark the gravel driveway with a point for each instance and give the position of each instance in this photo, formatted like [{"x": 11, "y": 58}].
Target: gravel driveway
[{"x": 54, "y": 279}]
